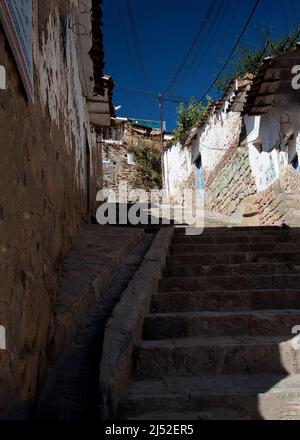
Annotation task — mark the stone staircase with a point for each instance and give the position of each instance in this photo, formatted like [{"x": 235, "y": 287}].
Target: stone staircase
[{"x": 217, "y": 341}]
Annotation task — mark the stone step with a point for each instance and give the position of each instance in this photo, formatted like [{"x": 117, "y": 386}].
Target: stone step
[
  {"x": 234, "y": 258},
  {"x": 195, "y": 269},
  {"x": 192, "y": 324},
  {"x": 249, "y": 229},
  {"x": 221, "y": 300},
  {"x": 235, "y": 238},
  {"x": 215, "y": 397},
  {"x": 237, "y": 282},
  {"x": 218, "y": 355},
  {"x": 189, "y": 249}
]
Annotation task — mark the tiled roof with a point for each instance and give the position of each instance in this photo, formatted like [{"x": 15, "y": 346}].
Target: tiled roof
[{"x": 273, "y": 77}]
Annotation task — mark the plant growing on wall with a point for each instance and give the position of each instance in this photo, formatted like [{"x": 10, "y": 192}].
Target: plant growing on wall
[
  {"x": 188, "y": 117},
  {"x": 148, "y": 166},
  {"x": 248, "y": 61}
]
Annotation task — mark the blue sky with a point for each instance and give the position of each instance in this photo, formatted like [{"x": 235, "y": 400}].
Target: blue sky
[{"x": 165, "y": 31}]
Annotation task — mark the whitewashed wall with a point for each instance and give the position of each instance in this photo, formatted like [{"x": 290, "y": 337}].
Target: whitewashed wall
[
  {"x": 58, "y": 72},
  {"x": 221, "y": 131},
  {"x": 178, "y": 167},
  {"x": 266, "y": 136}
]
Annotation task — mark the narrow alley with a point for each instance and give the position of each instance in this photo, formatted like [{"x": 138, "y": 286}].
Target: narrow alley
[{"x": 149, "y": 213}]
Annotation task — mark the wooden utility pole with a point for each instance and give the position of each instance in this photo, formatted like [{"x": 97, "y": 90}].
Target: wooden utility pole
[{"x": 160, "y": 101}]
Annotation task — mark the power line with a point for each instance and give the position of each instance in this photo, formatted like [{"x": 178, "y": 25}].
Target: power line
[
  {"x": 190, "y": 69},
  {"x": 136, "y": 42},
  {"x": 185, "y": 59},
  {"x": 285, "y": 17},
  {"x": 170, "y": 98},
  {"x": 127, "y": 42},
  {"x": 294, "y": 9},
  {"x": 217, "y": 24},
  {"x": 233, "y": 49}
]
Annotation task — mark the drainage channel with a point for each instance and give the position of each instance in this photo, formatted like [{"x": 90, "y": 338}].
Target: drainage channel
[{"x": 72, "y": 390}]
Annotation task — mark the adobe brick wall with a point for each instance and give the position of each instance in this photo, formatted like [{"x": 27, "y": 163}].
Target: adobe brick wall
[{"x": 42, "y": 199}]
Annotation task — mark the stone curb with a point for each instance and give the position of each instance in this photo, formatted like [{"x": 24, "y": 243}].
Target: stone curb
[{"x": 124, "y": 329}]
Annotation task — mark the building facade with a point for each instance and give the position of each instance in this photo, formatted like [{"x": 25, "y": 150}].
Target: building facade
[
  {"x": 51, "y": 170},
  {"x": 245, "y": 152}
]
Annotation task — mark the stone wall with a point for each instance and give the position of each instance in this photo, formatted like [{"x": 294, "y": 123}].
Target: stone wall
[
  {"x": 230, "y": 187},
  {"x": 119, "y": 157},
  {"x": 43, "y": 198},
  {"x": 271, "y": 205},
  {"x": 277, "y": 203}
]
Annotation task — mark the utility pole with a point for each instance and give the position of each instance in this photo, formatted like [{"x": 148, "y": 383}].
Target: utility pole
[{"x": 160, "y": 101}]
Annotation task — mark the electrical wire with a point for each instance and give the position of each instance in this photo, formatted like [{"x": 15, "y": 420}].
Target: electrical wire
[
  {"x": 285, "y": 17},
  {"x": 185, "y": 59},
  {"x": 126, "y": 42},
  {"x": 200, "y": 48},
  {"x": 233, "y": 50},
  {"x": 136, "y": 42},
  {"x": 294, "y": 9},
  {"x": 217, "y": 25}
]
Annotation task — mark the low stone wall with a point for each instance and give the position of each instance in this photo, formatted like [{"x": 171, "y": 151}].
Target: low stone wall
[
  {"x": 124, "y": 330},
  {"x": 230, "y": 185}
]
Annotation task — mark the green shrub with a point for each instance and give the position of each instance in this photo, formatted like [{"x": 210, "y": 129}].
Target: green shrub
[{"x": 188, "y": 117}]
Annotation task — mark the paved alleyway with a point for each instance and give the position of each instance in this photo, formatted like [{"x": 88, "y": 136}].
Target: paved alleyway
[{"x": 216, "y": 344}]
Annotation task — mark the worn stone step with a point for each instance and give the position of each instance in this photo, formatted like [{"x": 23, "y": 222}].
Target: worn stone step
[
  {"x": 234, "y": 258},
  {"x": 218, "y": 355},
  {"x": 195, "y": 269},
  {"x": 184, "y": 249},
  {"x": 236, "y": 238},
  {"x": 215, "y": 397},
  {"x": 235, "y": 229},
  {"x": 221, "y": 300},
  {"x": 237, "y": 282},
  {"x": 161, "y": 326}
]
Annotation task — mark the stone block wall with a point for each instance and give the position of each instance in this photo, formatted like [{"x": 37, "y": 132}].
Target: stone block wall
[
  {"x": 271, "y": 205},
  {"x": 230, "y": 184}
]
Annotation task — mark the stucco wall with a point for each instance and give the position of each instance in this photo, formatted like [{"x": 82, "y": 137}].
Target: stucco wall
[
  {"x": 43, "y": 195},
  {"x": 221, "y": 132},
  {"x": 178, "y": 168},
  {"x": 269, "y": 151}
]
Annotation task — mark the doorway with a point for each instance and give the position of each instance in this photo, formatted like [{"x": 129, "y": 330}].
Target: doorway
[{"x": 200, "y": 180}]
